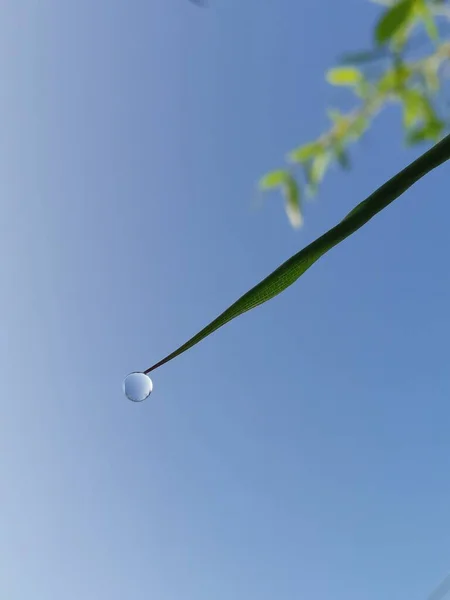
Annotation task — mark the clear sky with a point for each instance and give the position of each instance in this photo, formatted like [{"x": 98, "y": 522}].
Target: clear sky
[{"x": 300, "y": 452}]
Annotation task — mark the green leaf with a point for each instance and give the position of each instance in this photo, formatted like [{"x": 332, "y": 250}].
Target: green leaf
[
  {"x": 423, "y": 10},
  {"x": 431, "y": 77},
  {"x": 305, "y": 152},
  {"x": 416, "y": 107},
  {"x": 284, "y": 180},
  {"x": 342, "y": 157},
  {"x": 431, "y": 131},
  {"x": 393, "y": 20},
  {"x": 395, "y": 79},
  {"x": 293, "y": 268},
  {"x": 319, "y": 167},
  {"x": 273, "y": 180},
  {"x": 315, "y": 172},
  {"x": 349, "y": 76},
  {"x": 292, "y": 197}
]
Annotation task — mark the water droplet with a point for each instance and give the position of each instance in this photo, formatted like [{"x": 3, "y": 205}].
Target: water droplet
[{"x": 137, "y": 386}]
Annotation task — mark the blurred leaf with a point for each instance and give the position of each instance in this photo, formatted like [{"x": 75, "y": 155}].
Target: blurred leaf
[
  {"x": 431, "y": 78},
  {"x": 392, "y": 20},
  {"x": 319, "y": 167},
  {"x": 423, "y": 10},
  {"x": 295, "y": 266},
  {"x": 316, "y": 171},
  {"x": 305, "y": 152},
  {"x": 274, "y": 179},
  {"x": 284, "y": 180},
  {"x": 431, "y": 131},
  {"x": 349, "y": 76},
  {"x": 342, "y": 157},
  {"x": 416, "y": 107},
  {"x": 292, "y": 197},
  {"x": 394, "y": 79}
]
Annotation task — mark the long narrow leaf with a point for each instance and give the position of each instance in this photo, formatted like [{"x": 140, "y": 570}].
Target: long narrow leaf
[{"x": 293, "y": 268}]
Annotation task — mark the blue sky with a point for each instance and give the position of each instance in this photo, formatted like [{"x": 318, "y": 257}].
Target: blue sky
[{"x": 300, "y": 452}]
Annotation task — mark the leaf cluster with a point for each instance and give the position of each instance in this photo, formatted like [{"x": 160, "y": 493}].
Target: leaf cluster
[{"x": 415, "y": 85}]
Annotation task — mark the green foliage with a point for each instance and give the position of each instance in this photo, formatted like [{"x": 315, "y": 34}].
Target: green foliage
[
  {"x": 293, "y": 268},
  {"x": 428, "y": 132},
  {"x": 350, "y": 76},
  {"x": 423, "y": 11},
  {"x": 283, "y": 180},
  {"x": 274, "y": 179},
  {"x": 341, "y": 156},
  {"x": 316, "y": 171},
  {"x": 416, "y": 108},
  {"x": 306, "y": 152},
  {"x": 292, "y": 198},
  {"x": 395, "y": 80},
  {"x": 430, "y": 77},
  {"x": 414, "y": 84},
  {"x": 394, "y": 21}
]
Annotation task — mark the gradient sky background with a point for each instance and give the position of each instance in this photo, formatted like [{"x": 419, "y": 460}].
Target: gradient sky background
[{"x": 301, "y": 452}]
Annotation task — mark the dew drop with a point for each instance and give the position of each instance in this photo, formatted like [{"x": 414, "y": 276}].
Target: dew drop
[{"x": 137, "y": 386}]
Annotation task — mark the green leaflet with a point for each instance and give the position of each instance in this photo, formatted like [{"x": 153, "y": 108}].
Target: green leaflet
[
  {"x": 317, "y": 170},
  {"x": 274, "y": 179},
  {"x": 431, "y": 131},
  {"x": 293, "y": 268},
  {"x": 305, "y": 152},
  {"x": 292, "y": 199},
  {"x": 350, "y": 76},
  {"x": 284, "y": 180},
  {"x": 393, "y": 20},
  {"x": 423, "y": 9}
]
